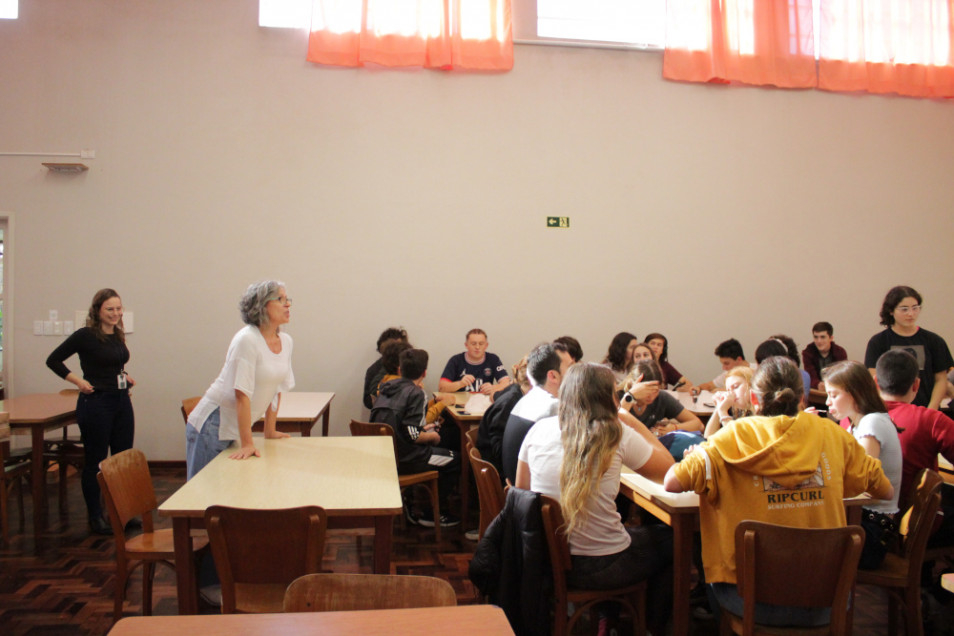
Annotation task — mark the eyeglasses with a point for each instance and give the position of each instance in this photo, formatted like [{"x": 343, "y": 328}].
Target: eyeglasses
[
  {"x": 283, "y": 300},
  {"x": 913, "y": 309}
]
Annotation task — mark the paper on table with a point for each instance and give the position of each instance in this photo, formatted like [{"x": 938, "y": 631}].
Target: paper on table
[{"x": 477, "y": 404}]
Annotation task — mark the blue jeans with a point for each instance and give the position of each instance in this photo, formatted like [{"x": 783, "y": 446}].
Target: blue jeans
[
  {"x": 727, "y": 596},
  {"x": 202, "y": 446},
  {"x": 107, "y": 425}
]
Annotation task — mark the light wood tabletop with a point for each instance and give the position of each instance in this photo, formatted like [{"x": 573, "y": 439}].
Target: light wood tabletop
[
  {"x": 300, "y": 410},
  {"x": 353, "y": 478},
  {"x": 34, "y": 415},
  {"x": 462, "y": 620},
  {"x": 947, "y": 581}
]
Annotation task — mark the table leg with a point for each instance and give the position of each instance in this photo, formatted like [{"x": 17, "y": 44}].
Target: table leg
[
  {"x": 682, "y": 528},
  {"x": 383, "y": 528},
  {"x": 464, "y": 475},
  {"x": 38, "y": 483},
  {"x": 325, "y": 419},
  {"x": 186, "y": 584}
]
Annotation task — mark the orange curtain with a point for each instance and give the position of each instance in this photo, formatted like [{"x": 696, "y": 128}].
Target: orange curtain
[
  {"x": 750, "y": 41},
  {"x": 443, "y": 34},
  {"x": 887, "y": 46}
]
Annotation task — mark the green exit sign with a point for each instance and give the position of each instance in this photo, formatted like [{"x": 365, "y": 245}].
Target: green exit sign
[{"x": 558, "y": 221}]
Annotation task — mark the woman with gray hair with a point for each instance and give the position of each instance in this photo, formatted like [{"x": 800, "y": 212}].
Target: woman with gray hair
[{"x": 257, "y": 370}]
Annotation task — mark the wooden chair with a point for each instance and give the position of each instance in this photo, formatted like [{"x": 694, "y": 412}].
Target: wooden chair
[
  {"x": 428, "y": 479},
  {"x": 347, "y": 592},
  {"x": 490, "y": 491},
  {"x": 258, "y": 553},
  {"x": 187, "y": 405},
  {"x": 900, "y": 573},
  {"x": 64, "y": 451},
  {"x": 471, "y": 436},
  {"x": 565, "y": 616},
  {"x": 16, "y": 468},
  {"x": 127, "y": 486},
  {"x": 802, "y": 567}
]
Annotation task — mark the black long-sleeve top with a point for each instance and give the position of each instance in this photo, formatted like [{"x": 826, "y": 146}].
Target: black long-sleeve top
[{"x": 101, "y": 360}]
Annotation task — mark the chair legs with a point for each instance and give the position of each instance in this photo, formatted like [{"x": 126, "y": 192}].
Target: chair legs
[{"x": 436, "y": 508}]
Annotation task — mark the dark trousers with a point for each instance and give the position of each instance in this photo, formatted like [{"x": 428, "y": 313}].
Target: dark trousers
[{"x": 107, "y": 426}]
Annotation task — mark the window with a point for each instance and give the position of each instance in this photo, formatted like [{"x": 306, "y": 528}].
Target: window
[
  {"x": 9, "y": 9},
  {"x": 285, "y": 14}
]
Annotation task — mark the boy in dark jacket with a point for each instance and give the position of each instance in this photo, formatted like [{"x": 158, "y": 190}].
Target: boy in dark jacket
[{"x": 401, "y": 404}]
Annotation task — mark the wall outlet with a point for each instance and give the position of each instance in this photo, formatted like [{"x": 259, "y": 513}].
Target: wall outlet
[
  {"x": 68, "y": 327},
  {"x": 57, "y": 327},
  {"x": 37, "y": 327},
  {"x": 47, "y": 327}
]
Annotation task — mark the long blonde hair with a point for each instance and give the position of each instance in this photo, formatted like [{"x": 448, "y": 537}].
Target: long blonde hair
[{"x": 590, "y": 431}]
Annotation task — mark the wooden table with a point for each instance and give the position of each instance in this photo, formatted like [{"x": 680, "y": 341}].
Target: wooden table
[
  {"x": 463, "y": 620},
  {"x": 34, "y": 415},
  {"x": 702, "y": 406},
  {"x": 945, "y": 469},
  {"x": 947, "y": 581},
  {"x": 299, "y": 412},
  {"x": 680, "y": 511},
  {"x": 464, "y": 421},
  {"x": 353, "y": 478}
]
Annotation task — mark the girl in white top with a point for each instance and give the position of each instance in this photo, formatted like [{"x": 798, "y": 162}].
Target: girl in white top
[
  {"x": 576, "y": 457},
  {"x": 853, "y": 394},
  {"x": 257, "y": 370}
]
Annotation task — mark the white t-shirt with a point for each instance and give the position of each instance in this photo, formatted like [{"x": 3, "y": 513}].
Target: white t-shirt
[
  {"x": 252, "y": 368},
  {"x": 880, "y": 427},
  {"x": 602, "y": 533}
]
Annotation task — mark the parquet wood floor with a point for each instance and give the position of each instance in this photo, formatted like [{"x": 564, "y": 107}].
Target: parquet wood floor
[{"x": 64, "y": 586}]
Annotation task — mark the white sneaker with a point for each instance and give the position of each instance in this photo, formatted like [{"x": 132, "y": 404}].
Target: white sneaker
[
  {"x": 212, "y": 594},
  {"x": 472, "y": 535}
]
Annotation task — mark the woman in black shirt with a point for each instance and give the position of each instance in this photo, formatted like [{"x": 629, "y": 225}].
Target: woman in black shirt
[{"x": 104, "y": 412}]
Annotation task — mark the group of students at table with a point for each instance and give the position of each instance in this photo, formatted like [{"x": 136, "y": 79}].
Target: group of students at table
[{"x": 603, "y": 416}]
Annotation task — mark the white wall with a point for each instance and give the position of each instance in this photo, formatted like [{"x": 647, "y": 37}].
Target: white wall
[{"x": 418, "y": 198}]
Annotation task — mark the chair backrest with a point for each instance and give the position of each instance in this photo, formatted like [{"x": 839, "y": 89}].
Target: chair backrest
[
  {"x": 471, "y": 435},
  {"x": 365, "y": 429},
  {"x": 346, "y": 592},
  {"x": 264, "y": 546},
  {"x": 918, "y": 521},
  {"x": 127, "y": 486},
  {"x": 187, "y": 405},
  {"x": 557, "y": 544},
  {"x": 781, "y": 565},
  {"x": 490, "y": 492}
]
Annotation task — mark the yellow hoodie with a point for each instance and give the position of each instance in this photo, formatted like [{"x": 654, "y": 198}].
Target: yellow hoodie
[{"x": 791, "y": 471}]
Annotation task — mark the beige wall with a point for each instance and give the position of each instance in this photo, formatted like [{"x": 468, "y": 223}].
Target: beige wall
[{"x": 419, "y": 198}]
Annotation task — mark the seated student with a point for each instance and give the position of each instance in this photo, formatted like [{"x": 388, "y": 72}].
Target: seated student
[
  {"x": 899, "y": 314},
  {"x": 821, "y": 353},
  {"x": 490, "y": 433},
  {"x": 852, "y": 394},
  {"x": 733, "y": 403},
  {"x": 374, "y": 373},
  {"x": 660, "y": 346},
  {"x": 475, "y": 369},
  {"x": 572, "y": 347},
  {"x": 546, "y": 367},
  {"x": 390, "y": 364},
  {"x": 659, "y": 411},
  {"x": 925, "y": 433},
  {"x": 401, "y": 406},
  {"x": 730, "y": 356},
  {"x": 576, "y": 457},
  {"x": 782, "y": 345},
  {"x": 619, "y": 356},
  {"x": 779, "y": 451}
]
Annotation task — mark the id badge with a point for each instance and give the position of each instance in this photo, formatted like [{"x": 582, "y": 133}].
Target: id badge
[{"x": 121, "y": 381}]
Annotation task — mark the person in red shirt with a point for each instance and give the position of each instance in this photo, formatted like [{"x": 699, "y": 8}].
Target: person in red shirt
[{"x": 924, "y": 432}]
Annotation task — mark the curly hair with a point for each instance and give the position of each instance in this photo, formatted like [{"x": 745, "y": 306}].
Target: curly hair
[
  {"x": 616, "y": 355},
  {"x": 893, "y": 298},
  {"x": 252, "y": 305}
]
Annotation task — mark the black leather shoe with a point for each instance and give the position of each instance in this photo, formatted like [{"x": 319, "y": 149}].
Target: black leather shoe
[
  {"x": 98, "y": 525},
  {"x": 134, "y": 524}
]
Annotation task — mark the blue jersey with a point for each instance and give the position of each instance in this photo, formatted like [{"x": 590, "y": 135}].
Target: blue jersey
[{"x": 490, "y": 371}]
